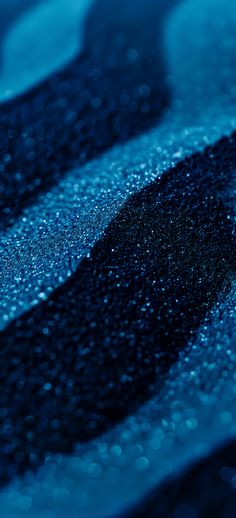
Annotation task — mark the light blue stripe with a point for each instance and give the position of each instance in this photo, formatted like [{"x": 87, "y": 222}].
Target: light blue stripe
[{"x": 40, "y": 42}]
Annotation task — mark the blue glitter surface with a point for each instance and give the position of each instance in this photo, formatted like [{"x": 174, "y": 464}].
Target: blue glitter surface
[{"x": 117, "y": 258}]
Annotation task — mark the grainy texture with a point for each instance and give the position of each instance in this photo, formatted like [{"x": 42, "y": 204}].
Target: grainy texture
[{"x": 117, "y": 260}]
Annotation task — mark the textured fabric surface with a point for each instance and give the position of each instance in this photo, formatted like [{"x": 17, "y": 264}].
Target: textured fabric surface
[{"x": 117, "y": 258}]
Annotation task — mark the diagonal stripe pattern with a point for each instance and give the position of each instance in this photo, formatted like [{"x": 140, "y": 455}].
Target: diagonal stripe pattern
[{"x": 117, "y": 254}]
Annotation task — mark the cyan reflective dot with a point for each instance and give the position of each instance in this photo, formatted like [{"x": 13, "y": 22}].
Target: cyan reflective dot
[
  {"x": 47, "y": 386},
  {"x": 142, "y": 464}
]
